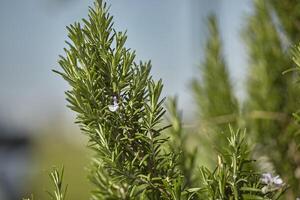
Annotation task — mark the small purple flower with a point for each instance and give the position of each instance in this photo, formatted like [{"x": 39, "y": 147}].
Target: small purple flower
[
  {"x": 266, "y": 178},
  {"x": 271, "y": 182},
  {"x": 269, "y": 179},
  {"x": 115, "y": 106},
  {"x": 277, "y": 181}
]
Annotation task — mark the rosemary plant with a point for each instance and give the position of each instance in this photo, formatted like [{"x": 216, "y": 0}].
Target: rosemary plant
[
  {"x": 60, "y": 191},
  {"x": 120, "y": 109},
  {"x": 233, "y": 177}
]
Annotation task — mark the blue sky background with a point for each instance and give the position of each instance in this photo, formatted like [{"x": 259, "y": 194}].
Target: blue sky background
[{"x": 169, "y": 32}]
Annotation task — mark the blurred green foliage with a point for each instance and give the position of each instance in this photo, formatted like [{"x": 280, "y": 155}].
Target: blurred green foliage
[
  {"x": 52, "y": 149},
  {"x": 271, "y": 96},
  {"x": 213, "y": 93}
]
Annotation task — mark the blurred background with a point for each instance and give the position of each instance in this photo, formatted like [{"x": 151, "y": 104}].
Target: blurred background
[{"x": 37, "y": 130}]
